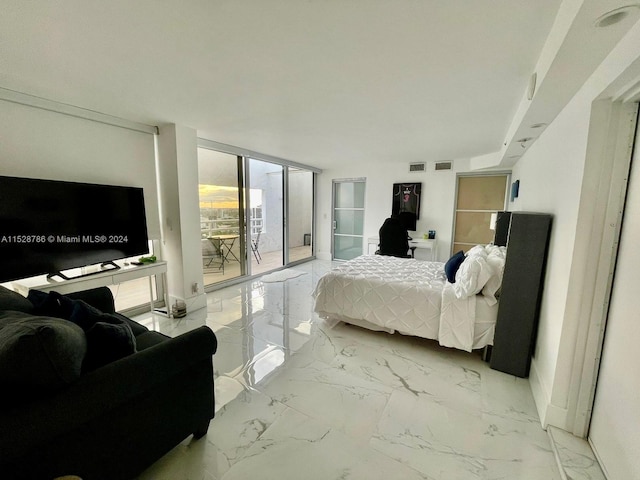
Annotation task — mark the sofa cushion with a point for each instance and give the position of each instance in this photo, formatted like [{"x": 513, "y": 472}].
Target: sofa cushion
[
  {"x": 137, "y": 328},
  {"x": 50, "y": 304},
  {"x": 109, "y": 338},
  {"x": 100, "y": 298},
  {"x": 38, "y": 353},
  {"x": 106, "y": 343},
  {"x": 149, "y": 339},
  {"x": 10, "y": 300}
]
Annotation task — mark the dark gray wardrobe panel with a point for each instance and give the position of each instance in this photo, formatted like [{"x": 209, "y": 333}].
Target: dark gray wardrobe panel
[{"x": 521, "y": 294}]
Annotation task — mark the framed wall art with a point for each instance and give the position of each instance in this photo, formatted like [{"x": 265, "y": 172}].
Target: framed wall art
[{"x": 406, "y": 203}]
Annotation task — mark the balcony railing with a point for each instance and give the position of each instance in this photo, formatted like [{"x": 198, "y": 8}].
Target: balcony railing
[{"x": 227, "y": 226}]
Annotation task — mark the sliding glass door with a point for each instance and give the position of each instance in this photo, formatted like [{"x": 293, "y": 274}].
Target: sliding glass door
[
  {"x": 300, "y": 213},
  {"x": 255, "y": 215},
  {"x": 266, "y": 215},
  {"x": 221, "y": 216}
]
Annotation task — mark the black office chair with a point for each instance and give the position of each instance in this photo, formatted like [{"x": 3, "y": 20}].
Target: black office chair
[{"x": 394, "y": 240}]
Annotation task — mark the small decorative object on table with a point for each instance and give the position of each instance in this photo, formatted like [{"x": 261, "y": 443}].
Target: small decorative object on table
[
  {"x": 179, "y": 309},
  {"x": 145, "y": 260}
]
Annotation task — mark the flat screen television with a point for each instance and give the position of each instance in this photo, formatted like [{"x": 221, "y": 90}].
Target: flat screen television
[{"x": 49, "y": 226}]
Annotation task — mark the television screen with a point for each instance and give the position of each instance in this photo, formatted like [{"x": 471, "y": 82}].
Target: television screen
[{"x": 49, "y": 226}]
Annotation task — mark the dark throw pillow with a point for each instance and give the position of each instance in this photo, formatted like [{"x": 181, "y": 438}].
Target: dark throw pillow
[
  {"x": 108, "y": 342},
  {"x": 452, "y": 266},
  {"x": 109, "y": 338},
  {"x": 104, "y": 344},
  {"x": 39, "y": 354},
  {"x": 10, "y": 300},
  {"x": 50, "y": 304}
]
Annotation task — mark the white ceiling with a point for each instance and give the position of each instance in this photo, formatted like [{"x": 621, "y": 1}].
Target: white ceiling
[{"x": 320, "y": 82}]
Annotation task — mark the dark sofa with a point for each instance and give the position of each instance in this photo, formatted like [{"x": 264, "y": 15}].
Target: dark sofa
[{"x": 114, "y": 421}]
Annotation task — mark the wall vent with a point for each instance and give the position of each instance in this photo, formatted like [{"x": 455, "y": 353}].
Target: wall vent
[
  {"x": 443, "y": 165},
  {"x": 417, "y": 167}
]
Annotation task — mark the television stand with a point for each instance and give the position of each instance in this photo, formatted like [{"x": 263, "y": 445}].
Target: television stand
[
  {"x": 112, "y": 266},
  {"x": 102, "y": 278}
]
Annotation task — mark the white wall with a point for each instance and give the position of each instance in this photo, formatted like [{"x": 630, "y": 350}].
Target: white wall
[
  {"x": 551, "y": 180},
  {"x": 436, "y": 204},
  {"x": 39, "y": 143}
]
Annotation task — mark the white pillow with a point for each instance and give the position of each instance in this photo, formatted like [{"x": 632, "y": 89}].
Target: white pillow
[
  {"x": 472, "y": 276},
  {"x": 477, "y": 250},
  {"x": 491, "y": 249},
  {"x": 496, "y": 259}
]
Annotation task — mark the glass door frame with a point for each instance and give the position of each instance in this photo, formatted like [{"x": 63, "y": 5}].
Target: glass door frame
[
  {"x": 247, "y": 216},
  {"x": 286, "y": 216},
  {"x": 243, "y": 155},
  {"x": 334, "y": 182}
]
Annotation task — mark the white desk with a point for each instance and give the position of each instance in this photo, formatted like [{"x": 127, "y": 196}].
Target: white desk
[
  {"x": 418, "y": 243},
  {"x": 95, "y": 280}
]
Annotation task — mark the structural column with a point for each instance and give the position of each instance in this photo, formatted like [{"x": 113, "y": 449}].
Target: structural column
[{"x": 180, "y": 214}]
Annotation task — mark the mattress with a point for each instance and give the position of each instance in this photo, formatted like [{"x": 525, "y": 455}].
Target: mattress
[{"x": 399, "y": 294}]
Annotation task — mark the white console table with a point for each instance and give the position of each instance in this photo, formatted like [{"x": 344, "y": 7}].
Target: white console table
[
  {"x": 99, "y": 278},
  {"x": 417, "y": 243}
]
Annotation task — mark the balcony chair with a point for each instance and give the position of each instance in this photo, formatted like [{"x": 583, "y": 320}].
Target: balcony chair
[{"x": 254, "y": 247}]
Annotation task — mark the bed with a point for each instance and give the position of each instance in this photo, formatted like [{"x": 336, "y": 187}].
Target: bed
[{"x": 415, "y": 297}]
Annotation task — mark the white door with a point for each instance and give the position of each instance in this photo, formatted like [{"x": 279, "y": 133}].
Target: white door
[
  {"x": 348, "y": 218},
  {"x": 615, "y": 423}
]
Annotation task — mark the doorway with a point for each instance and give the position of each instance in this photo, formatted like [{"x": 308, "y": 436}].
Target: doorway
[
  {"x": 256, "y": 214},
  {"x": 221, "y": 216},
  {"x": 300, "y": 188},
  {"x": 265, "y": 215},
  {"x": 348, "y": 218},
  {"x": 613, "y": 431}
]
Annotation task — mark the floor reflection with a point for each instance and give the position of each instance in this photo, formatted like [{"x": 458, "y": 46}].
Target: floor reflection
[
  {"x": 300, "y": 397},
  {"x": 258, "y": 327}
]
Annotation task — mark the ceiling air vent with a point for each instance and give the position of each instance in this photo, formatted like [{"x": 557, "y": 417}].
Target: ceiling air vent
[
  {"x": 443, "y": 165},
  {"x": 417, "y": 167}
]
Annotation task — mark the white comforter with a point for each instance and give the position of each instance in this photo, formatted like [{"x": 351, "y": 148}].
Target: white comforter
[{"x": 406, "y": 295}]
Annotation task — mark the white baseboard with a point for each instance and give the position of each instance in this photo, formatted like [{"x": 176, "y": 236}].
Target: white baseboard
[
  {"x": 549, "y": 414},
  {"x": 540, "y": 394},
  {"x": 197, "y": 302},
  {"x": 323, "y": 255}
]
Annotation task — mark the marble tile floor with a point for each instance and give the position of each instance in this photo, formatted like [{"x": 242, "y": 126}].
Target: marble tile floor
[
  {"x": 575, "y": 456},
  {"x": 299, "y": 397}
]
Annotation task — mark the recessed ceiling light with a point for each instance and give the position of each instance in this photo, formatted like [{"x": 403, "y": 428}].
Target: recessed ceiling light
[
  {"x": 525, "y": 139},
  {"x": 614, "y": 16},
  {"x": 538, "y": 125}
]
